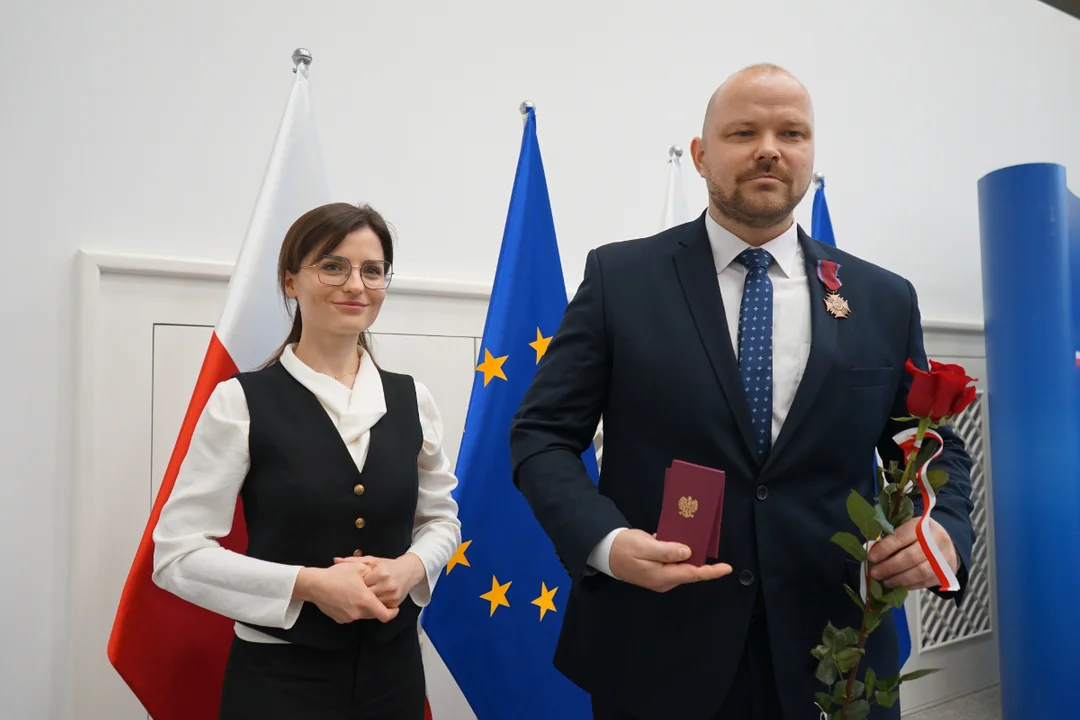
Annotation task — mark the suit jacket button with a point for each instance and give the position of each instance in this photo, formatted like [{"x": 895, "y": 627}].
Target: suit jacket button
[
  {"x": 358, "y": 489},
  {"x": 762, "y": 492},
  {"x": 746, "y": 577},
  {"x": 359, "y": 523}
]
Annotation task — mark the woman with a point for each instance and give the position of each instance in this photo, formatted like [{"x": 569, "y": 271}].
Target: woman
[{"x": 345, "y": 491}]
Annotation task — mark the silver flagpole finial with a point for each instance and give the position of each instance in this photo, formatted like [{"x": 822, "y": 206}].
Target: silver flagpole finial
[
  {"x": 819, "y": 178},
  {"x": 524, "y": 107},
  {"x": 674, "y": 151},
  {"x": 301, "y": 56}
]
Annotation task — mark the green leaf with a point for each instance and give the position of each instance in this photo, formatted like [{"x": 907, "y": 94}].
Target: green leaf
[
  {"x": 871, "y": 678},
  {"x": 896, "y": 596},
  {"x": 916, "y": 674},
  {"x": 894, "y": 467},
  {"x": 883, "y": 500},
  {"x": 857, "y": 689},
  {"x": 823, "y": 700},
  {"x": 851, "y": 544},
  {"x": 826, "y": 671},
  {"x": 821, "y": 652},
  {"x": 907, "y": 511},
  {"x": 888, "y": 683},
  {"x": 862, "y": 514},
  {"x": 876, "y": 590},
  {"x": 843, "y": 639},
  {"x": 838, "y": 691},
  {"x": 854, "y": 596},
  {"x": 829, "y": 634},
  {"x": 937, "y": 478},
  {"x": 886, "y": 699},
  {"x": 882, "y": 521},
  {"x": 873, "y": 618},
  {"x": 848, "y": 658},
  {"x": 929, "y": 446},
  {"x": 858, "y": 710}
]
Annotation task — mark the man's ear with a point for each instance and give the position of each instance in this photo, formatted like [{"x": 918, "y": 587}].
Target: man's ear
[{"x": 697, "y": 154}]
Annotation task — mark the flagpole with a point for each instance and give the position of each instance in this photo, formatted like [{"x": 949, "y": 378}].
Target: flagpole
[
  {"x": 819, "y": 180},
  {"x": 674, "y": 152}
]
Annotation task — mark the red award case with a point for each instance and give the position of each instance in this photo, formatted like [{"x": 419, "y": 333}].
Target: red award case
[{"x": 692, "y": 509}]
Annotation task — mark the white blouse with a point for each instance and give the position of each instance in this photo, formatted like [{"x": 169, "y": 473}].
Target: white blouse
[{"x": 189, "y": 562}]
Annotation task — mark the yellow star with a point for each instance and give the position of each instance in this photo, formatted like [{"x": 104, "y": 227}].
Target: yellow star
[
  {"x": 497, "y": 595},
  {"x": 541, "y": 345},
  {"x": 491, "y": 367},
  {"x": 459, "y": 557},
  {"x": 546, "y": 601}
]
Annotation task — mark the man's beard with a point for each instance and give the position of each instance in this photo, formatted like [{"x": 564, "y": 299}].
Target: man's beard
[{"x": 739, "y": 208}]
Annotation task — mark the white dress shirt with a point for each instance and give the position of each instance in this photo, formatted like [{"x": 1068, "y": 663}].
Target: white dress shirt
[
  {"x": 189, "y": 562},
  {"x": 791, "y": 332}
]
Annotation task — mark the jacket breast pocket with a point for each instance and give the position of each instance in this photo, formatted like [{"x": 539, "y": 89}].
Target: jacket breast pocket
[{"x": 869, "y": 377}]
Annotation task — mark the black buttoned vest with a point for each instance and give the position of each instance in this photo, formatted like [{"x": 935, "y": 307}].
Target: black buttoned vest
[{"x": 305, "y": 502}]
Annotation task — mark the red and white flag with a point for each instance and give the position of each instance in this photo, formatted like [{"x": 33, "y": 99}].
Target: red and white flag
[{"x": 169, "y": 652}]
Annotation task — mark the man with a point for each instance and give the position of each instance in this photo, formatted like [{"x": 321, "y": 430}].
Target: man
[{"x": 711, "y": 343}]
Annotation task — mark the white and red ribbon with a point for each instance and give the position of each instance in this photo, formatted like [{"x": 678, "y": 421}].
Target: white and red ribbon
[{"x": 906, "y": 441}]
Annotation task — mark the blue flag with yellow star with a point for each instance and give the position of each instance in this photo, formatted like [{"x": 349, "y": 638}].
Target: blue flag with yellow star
[
  {"x": 821, "y": 229},
  {"x": 495, "y": 614}
]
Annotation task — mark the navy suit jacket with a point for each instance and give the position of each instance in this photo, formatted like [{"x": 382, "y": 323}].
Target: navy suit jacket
[{"x": 644, "y": 343}]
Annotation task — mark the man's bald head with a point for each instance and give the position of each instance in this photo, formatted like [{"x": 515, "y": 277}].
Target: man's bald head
[
  {"x": 748, "y": 76},
  {"x": 756, "y": 151}
]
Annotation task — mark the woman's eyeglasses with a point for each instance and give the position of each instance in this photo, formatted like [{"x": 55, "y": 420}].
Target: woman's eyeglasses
[{"x": 334, "y": 270}]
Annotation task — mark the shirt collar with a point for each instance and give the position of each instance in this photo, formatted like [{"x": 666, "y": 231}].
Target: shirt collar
[
  {"x": 358, "y": 409},
  {"x": 726, "y": 246}
]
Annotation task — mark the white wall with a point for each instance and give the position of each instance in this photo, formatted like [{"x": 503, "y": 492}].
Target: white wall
[{"x": 145, "y": 127}]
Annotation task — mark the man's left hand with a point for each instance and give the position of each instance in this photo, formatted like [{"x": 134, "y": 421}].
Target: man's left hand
[{"x": 900, "y": 560}]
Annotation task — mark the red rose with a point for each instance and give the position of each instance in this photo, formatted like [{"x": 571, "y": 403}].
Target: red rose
[{"x": 941, "y": 393}]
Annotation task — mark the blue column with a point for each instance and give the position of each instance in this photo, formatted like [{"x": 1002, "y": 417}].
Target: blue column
[{"x": 1034, "y": 435}]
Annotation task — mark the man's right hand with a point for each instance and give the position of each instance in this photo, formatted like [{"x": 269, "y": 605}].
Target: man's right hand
[{"x": 639, "y": 558}]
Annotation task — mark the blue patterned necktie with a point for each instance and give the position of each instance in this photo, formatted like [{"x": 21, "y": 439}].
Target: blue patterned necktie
[{"x": 755, "y": 344}]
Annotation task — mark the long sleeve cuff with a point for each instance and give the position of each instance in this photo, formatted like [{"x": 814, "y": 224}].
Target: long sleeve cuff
[
  {"x": 431, "y": 548},
  {"x": 257, "y": 592},
  {"x": 599, "y": 558}
]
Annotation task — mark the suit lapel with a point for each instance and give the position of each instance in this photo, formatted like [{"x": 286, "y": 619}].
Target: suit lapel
[
  {"x": 822, "y": 346},
  {"x": 697, "y": 273}
]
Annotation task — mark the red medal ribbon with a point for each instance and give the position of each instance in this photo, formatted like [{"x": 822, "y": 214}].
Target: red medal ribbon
[{"x": 829, "y": 274}]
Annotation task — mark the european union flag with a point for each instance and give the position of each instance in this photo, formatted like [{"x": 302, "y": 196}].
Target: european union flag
[
  {"x": 495, "y": 615},
  {"x": 820, "y": 223},
  {"x": 821, "y": 229}
]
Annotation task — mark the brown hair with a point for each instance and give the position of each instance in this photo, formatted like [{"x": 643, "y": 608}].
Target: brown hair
[{"x": 320, "y": 231}]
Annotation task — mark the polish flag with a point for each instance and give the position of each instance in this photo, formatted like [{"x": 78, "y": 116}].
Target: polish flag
[{"x": 169, "y": 652}]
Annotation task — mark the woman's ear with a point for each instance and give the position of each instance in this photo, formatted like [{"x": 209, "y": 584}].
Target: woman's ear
[{"x": 290, "y": 285}]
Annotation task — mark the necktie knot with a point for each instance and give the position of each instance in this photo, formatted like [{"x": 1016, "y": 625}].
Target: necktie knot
[{"x": 755, "y": 258}]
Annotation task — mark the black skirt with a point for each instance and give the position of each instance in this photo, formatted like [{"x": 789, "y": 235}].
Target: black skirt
[{"x": 369, "y": 681}]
